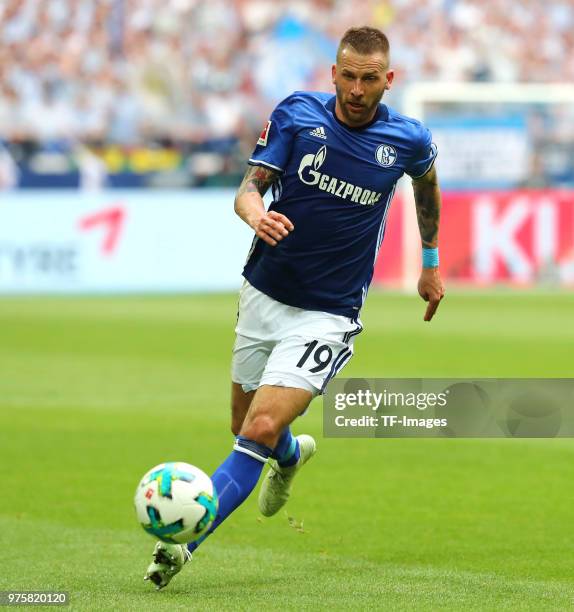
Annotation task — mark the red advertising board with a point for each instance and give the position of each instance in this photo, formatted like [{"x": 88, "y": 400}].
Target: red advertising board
[{"x": 523, "y": 237}]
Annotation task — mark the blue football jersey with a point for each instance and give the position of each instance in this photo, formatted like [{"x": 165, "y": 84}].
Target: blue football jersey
[{"x": 336, "y": 186}]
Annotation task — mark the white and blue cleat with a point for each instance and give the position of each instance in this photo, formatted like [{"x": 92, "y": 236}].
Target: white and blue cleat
[
  {"x": 168, "y": 560},
  {"x": 277, "y": 484}
]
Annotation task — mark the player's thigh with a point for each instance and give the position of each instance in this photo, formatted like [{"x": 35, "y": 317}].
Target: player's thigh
[
  {"x": 272, "y": 409},
  {"x": 240, "y": 402}
]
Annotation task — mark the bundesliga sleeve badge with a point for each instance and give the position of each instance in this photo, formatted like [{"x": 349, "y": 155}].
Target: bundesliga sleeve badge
[{"x": 264, "y": 134}]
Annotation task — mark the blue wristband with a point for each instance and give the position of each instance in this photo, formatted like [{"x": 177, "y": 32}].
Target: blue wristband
[{"x": 430, "y": 258}]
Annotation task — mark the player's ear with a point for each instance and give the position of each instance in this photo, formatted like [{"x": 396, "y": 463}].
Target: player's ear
[
  {"x": 390, "y": 75},
  {"x": 333, "y": 73}
]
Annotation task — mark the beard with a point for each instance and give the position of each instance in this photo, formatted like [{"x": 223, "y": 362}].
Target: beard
[{"x": 366, "y": 113}]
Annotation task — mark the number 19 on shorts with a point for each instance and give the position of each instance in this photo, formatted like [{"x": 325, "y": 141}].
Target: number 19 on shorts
[{"x": 321, "y": 355}]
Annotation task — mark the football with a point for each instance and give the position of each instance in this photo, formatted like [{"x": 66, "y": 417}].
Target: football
[{"x": 176, "y": 502}]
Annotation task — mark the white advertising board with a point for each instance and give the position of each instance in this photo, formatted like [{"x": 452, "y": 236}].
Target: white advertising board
[{"x": 120, "y": 241}]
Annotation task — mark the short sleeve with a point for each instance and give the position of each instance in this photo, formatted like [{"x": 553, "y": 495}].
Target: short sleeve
[
  {"x": 424, "y": 155},
  {"x": 276, "y": 140}
]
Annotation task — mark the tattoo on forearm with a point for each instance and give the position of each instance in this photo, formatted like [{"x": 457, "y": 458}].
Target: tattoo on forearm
[
  {"x": 427, "y": 201},
  {"x": 257, "y": 179}
]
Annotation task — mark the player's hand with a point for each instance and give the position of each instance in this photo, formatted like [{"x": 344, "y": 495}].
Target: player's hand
[
  {"x": 431, "y": 290},
  {"x": 272, "y": 227}
]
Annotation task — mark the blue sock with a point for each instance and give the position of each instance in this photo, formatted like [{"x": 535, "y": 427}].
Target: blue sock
[
  {"x": 287, "y": 450},
  {"x": 235, "y": 478}
]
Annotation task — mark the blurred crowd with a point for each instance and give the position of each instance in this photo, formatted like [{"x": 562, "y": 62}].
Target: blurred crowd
[{"x": 207, "y": 72}]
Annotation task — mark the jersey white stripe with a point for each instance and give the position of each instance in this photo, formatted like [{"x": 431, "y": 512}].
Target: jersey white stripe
[
  {"x": 258, "y": 162},
  {"x": 253, "y": 245},
  {"x": 384, "y": 223},
  {"x": 379, "y": 238}
]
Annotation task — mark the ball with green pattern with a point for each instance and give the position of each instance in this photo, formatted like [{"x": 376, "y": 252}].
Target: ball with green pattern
[{"x": 176, "y": 502}]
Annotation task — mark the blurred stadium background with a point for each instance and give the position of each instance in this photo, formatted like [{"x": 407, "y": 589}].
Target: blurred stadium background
[
  {"x": 132, "y": 109},
  {"x": 124, "y": 129}
]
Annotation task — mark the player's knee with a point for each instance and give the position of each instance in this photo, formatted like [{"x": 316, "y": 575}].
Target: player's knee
[{"x": 262, "y": 429}]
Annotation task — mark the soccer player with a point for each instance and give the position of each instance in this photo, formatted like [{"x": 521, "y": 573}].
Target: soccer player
[{"x": 333, "y": 162}]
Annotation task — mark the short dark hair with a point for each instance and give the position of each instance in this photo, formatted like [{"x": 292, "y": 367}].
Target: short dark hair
[{"x": 364, "y": 40}]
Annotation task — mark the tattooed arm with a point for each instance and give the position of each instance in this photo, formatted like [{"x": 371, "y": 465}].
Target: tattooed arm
[
  {"x": 271, "y": 226},
  {"x": 427, "y": 202}
]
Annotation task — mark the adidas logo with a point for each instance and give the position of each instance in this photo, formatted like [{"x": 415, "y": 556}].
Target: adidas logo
[{"x": 319, "y": 132}]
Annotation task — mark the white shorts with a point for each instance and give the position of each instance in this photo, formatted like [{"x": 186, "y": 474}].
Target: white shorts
[{"x": 287, "y": 346}]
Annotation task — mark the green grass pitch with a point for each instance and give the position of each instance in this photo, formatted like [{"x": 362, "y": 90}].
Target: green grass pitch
[{"x": 95, "y": 391}]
